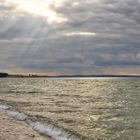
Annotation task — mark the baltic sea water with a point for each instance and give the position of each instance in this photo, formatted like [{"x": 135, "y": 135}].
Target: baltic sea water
[{"x": 93, "y": 108}]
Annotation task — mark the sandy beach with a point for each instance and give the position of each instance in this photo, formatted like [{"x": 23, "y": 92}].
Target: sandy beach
[{"x": 12, "y": 129}]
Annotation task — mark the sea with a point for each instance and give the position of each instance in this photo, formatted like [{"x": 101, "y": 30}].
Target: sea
[{"x": 90, "y": 108}]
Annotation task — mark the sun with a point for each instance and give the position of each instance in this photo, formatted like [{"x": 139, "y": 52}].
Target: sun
[{"x": 39, "y": 8}]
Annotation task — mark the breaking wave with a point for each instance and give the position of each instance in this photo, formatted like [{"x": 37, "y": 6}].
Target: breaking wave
[{"x": 54, "y": 132}]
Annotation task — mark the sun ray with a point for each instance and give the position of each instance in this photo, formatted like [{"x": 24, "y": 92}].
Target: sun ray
[{"x": 40, "y": 8}]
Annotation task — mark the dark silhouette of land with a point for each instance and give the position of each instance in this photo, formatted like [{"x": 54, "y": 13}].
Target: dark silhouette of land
[
  {"x": 6, "y": 75},
  {"x": 3, "y": 75}
]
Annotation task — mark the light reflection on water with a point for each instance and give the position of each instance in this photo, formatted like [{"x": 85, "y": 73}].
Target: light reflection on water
[{"x": 102, "y": 109}]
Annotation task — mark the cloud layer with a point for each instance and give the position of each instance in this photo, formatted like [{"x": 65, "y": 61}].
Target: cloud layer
[{"x": 97, "y": 36}]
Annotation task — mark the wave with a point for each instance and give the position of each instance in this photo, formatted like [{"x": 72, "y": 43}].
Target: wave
[{"x": 54, "y": 132}]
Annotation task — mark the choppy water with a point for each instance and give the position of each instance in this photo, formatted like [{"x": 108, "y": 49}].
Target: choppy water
[{"x": 97, "y": 109}]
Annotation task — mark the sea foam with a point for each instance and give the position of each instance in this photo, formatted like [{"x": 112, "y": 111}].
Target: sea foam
[
  {"x": 4, "y": 107},
  {"x": 17, "y": 115},
  {"x": 54, "y": 132}
]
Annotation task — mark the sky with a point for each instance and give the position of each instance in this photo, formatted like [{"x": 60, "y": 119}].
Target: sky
[{"x": 70, "y": 36}]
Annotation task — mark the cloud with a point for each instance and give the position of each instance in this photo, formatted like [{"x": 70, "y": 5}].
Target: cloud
[
  {"x": 80, "y": 34},
  {"x": 97, "y": 36}
]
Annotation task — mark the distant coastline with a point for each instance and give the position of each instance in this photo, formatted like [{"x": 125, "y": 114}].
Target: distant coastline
[
  {"x": 6, "y": 75},
  {"x": 94, "y": 75}
]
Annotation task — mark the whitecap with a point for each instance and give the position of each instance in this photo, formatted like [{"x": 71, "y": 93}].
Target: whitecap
[
  {"x": 4, "y": 107},
  {"x": 17, "y": 115}
]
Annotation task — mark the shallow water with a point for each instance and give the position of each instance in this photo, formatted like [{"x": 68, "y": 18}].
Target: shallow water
[{"x": 97, "y": 109}]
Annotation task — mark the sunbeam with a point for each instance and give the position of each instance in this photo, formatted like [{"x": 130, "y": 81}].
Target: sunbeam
[{"x": 40, "y": 8}]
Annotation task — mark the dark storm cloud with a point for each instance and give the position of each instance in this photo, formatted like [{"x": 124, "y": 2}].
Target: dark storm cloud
[{"x": 30, "y": 42}]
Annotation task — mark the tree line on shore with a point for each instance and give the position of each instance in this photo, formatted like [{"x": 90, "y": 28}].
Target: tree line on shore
[{"x": 4, "y": 75}]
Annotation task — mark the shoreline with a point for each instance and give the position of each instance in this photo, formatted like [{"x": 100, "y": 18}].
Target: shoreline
[
  {"x": 40, "y": 130},
  {"x": 13, "y": 129}
]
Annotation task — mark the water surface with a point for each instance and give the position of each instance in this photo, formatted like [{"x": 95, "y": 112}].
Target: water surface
[{"x": 95, "y": 109}]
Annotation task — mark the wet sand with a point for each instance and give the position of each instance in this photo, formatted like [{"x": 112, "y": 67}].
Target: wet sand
[{"x": 11, "y": 129}]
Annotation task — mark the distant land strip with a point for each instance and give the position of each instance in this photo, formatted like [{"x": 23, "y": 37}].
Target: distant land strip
[{"x": 6, "y": 75}]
